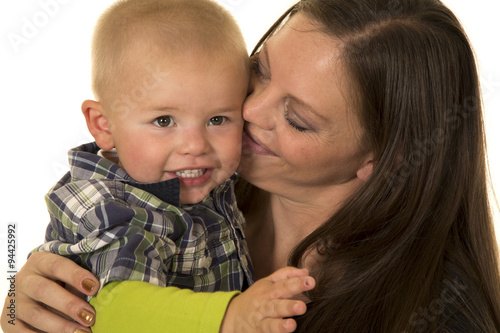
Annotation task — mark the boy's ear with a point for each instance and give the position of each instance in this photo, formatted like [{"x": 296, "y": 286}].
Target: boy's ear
[{"x": 98, "y": 124}]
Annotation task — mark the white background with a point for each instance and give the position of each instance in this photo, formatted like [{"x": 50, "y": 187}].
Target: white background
[{"x": 44, "y": 77}]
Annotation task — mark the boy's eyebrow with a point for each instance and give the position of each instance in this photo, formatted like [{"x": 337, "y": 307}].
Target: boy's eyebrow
[
  {"x": 229, "y": 109},
  {"x": 162, "y": 109},
  {"x": 221, "y": 110}
]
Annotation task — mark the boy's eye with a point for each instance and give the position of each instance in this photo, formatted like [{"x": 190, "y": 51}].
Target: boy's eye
[
  {"x": 218, "y": 120},
  {"x": 164, "y": 121}
]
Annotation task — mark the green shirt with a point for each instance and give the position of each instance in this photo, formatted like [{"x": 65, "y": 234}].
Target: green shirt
[{"x": 135, "y": 306}]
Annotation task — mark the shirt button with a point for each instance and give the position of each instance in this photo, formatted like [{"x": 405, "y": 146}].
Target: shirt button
[
  {"x": 244, "y": 261},
  {"x": 207, "y": 261}
]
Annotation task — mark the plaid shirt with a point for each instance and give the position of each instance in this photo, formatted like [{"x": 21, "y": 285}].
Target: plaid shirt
[{"x": 122, "y": 230}]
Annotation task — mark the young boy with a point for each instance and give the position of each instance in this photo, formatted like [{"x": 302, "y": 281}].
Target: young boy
[{"x": 152, "y": 199}]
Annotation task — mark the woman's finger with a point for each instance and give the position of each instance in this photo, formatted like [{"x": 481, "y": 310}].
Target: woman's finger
[
  {"x": 19, "y": 327},
  {"x": 33, "y": 317},
  {"x": 38, "y": 288},
  {"x": 48, "y": 292},
  {"x": 63, "y": 269},
  {"x": 9, "y": 321}
]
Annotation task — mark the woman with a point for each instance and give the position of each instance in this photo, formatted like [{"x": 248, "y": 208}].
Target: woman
[{"x": 365, "y": 152}]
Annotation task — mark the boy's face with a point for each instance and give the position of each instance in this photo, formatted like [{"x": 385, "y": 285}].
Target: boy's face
[{"x": 180, "y": 117}]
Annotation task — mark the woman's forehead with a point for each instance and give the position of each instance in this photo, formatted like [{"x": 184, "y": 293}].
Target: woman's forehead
[
  {"x": 303, "y": 38},
  {"x": 306, "y": 63}
]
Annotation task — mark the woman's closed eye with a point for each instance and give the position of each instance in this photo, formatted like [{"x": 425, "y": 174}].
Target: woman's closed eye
[{"x": 294, "y": 123}]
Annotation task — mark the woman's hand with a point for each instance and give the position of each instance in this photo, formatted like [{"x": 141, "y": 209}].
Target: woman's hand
[
  {"x": 263, "y": 306},
  {"x": 42, "y": 302}
]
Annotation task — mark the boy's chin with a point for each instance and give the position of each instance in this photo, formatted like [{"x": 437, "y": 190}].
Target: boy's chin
[{"x": 193, "y": 197}]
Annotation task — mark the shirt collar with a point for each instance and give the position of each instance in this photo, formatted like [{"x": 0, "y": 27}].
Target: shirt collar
[{"x": 86, "y": 162}]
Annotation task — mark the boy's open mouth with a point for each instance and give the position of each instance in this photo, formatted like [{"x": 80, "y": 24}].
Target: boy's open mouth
[{"x": 192, "y": 173}]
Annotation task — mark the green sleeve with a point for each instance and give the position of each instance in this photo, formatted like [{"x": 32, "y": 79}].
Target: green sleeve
[{"x": 136, "y": 306}]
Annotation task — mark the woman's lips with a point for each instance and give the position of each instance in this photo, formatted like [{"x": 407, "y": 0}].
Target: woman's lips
[{"x": 252, "y": 145}]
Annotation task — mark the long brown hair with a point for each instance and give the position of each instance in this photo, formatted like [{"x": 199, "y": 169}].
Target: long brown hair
[{"x": 414, "y": 249}]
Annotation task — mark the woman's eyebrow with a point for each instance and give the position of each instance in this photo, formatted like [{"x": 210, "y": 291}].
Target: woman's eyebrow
[
  {"x": 265, "y": 53},
  {"x": 293, "y": 98},
  {"x": 307, "y": 107}
]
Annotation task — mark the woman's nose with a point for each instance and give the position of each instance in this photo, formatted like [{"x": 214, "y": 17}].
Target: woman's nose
[{"x": 258, "y": 106}]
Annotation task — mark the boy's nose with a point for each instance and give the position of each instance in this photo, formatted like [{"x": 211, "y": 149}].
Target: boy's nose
[{"x": 194, "y": 142}]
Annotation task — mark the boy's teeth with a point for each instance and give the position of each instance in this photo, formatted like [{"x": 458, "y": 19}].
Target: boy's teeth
[{"x": 194, "y": 173}]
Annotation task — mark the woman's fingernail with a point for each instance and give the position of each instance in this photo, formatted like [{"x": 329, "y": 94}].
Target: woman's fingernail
[
  {"x": 80, "y": 331},
  {"x": 88, "y": 285},
  {"x": 86, "y": 316}
]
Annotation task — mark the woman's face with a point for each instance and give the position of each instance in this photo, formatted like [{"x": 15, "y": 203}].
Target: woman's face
[{"x": 302, "y": 134}]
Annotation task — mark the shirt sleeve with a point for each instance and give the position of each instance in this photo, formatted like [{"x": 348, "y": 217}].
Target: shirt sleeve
[
  {"x": 135, "y": 306},
  {"x": 105, "y": 235}
]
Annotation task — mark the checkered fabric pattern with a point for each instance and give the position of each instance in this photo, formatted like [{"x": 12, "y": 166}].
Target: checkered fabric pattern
[{"x": 123, "y": 230}]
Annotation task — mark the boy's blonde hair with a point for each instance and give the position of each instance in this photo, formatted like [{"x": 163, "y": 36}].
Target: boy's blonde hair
[{"x": 170, "y": 25}]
